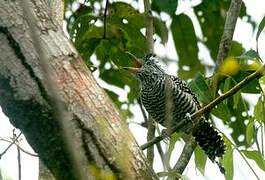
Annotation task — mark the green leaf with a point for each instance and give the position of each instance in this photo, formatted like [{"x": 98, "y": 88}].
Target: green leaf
[
  {"x": 257, "y": 157},
  {"x": 168, "y": 6},
  {"x": 249, "y": 55},
  {"x": 250, "y": 132},
  {"x": 200, "y": 159},
  {"x": 236, "y": 49},
  {"x": 236, "y": 99},
  {"x": 161, "y": 29},
  {"x": 173, "y": 139},
  {"x": 227, "y": 162},
  {"x": 212, "y": 20},
  {"x": 259, "y": 111},
  {"x": 222, "y": 111},
  {"x": 262, "y": 84},
  {"x": 186, "y": 46},
  {"x": 200, "y": 88},
  {"x": 260, "y": 28}
]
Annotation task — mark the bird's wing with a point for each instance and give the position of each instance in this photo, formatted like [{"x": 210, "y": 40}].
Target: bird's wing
[{"x": 185, "y": 88}]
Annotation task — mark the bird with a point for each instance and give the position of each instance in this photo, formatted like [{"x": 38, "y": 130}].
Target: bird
[{"x": 169, "y": 100}]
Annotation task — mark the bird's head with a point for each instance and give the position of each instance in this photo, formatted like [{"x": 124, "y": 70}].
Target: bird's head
[{"x": 148, "y": 69}]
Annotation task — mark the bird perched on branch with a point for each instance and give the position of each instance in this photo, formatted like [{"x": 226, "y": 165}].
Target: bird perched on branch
[{"x": 169, "y": 100}]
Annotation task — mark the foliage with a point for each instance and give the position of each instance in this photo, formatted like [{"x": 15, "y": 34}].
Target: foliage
[{"x": 123, "y": 33}]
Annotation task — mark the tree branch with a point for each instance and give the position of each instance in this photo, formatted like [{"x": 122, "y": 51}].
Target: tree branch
[
  {"x": 229, "y": 28},
  {"x": 150, "y": 45},
  {"x": 196, "y": 116},
  {"x": 185, "y": 155},
  {"x": 149, "y": 26}
]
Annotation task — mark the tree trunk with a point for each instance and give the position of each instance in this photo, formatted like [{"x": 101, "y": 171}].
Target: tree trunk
[{"x": 101, "y": 137}]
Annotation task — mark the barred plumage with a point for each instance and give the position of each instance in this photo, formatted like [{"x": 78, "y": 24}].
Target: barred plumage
[{"x": 168, "y": 99}]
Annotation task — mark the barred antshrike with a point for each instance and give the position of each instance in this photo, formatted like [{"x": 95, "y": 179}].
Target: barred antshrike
[{"x": 169, "y": 100}]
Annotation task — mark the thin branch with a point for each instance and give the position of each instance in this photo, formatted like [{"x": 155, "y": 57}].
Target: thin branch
[
  {"x": 105, "y": 19},
  {"x": 150, "y": 45},
  {"x": 13, "y": 142},
  {"x": 229, "y": 28},
  {"x": 18, "y": 157},
  {"x": 150, "y": 135},
  {"x": 162, "y": 156},
  {"x": 196, "y": 116},
  {"x": 185, "y": 155},
  {"x": 149, "y": 26},
  {"x": 23, "y": 150},
  {"x": 240, "y": 154}
]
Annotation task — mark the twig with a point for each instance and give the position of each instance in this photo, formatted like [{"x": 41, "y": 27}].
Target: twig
[
  {"x": 162, "y": 156},
  {"x": 185, "y": 155},
  {"x": 13, "y": 142},
  {"x": 229, "y": 28},
  {"x": 23, "y": 150},
  {"x": 105, "y": 19},
  {"x": 196, "y": 116},
  {"x": 18, "y": 157}
]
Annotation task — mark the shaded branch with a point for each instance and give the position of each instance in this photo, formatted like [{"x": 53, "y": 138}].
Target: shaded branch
[
  {"x": 150, "y": 45},
  {"x": 196, "y": 116},
  {"x": 229, "y": 28},
  {"x": 149, "y": 26},
  {"x": 185, "y": 155}
]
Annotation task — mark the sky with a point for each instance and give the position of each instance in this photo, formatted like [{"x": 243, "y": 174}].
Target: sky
[{"x": 243, "y": 34}]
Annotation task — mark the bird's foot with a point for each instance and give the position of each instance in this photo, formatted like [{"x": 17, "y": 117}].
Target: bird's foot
[{"x": 189, "y": 119}]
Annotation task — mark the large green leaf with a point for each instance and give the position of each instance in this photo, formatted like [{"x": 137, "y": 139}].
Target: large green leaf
[
  {"x": 260, "y": 28},
  {"x": 186, "y": 46},
  {"x": 200, "y": 87},
  {"x": 228, "y": 163},
  {"x": 168, "y": 6},
  {"x": 233, "y": 111},
  {"x": 249, "y": 55},
  {"x": 259, "y": 110},
  {"x": 257, "y": 157},
  {"x": 211, "y": 16},
  {"x": 250, "y": 131},
  {"x": 200, "y": 159},
  {"x": 161, "y": 29}
]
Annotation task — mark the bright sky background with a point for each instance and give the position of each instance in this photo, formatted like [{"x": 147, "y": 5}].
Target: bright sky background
[{"x": 243, "y": 34}]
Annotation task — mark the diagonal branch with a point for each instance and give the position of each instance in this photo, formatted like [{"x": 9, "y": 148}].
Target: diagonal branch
[
  {"x": 229, "y": 28},
  {"x": 196, "y": 116}
]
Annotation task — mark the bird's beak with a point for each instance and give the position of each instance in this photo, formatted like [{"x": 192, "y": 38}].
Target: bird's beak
[
  {"x": 137, "y": 64},
  {"x": 132, "y": 69}
]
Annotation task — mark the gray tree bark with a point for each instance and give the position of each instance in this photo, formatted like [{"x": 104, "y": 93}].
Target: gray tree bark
[{"x": 101, "y": 138}]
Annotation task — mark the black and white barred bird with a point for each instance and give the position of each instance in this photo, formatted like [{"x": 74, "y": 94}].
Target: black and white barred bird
[{"x": 169, "y": 100}]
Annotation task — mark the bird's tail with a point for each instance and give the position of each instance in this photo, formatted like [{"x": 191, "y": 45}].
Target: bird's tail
[{"x": 210, "y": 141}]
